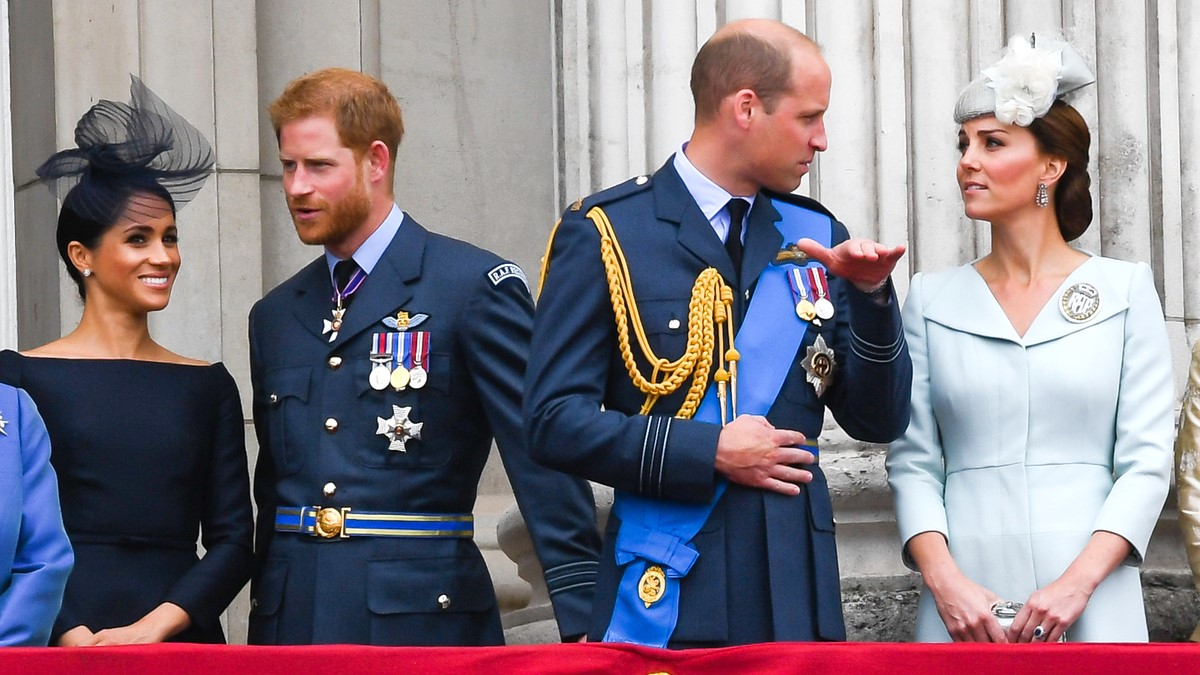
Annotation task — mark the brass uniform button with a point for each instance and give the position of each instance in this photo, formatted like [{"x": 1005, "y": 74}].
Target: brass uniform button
[
  {"x": 444, "y": 601},
  {"x": 329, "y": 490},
  {"x": 331, "y": 425},
  {"x": 335, "y": 362}
]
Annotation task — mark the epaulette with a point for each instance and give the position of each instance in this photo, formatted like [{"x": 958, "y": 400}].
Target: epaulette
[
  {"x": 585, "y": 204},
  {"x": 612, "y": 194},
  {"x": 800, "y": 200}
]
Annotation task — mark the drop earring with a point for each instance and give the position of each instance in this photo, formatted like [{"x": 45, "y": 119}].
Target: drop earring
[{"x": 1043, "y": 196}]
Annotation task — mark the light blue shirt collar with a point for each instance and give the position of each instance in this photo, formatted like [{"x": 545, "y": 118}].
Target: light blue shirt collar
[
  {"x": 710, "y": 197},
  {"x": 371, "y": 250}
]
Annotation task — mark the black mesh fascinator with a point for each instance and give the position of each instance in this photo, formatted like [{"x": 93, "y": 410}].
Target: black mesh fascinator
[{"x": 142, "y": 146}]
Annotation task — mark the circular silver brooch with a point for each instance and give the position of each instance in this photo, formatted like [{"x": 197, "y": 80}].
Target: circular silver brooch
[{"x": 1080, "y": 302}]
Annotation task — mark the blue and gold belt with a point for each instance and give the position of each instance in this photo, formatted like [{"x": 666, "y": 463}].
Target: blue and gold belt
[{"x": 331, "y": 522}]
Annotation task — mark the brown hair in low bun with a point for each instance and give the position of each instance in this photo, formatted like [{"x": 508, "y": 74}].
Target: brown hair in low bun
[{"x": 1063, "y": 133}]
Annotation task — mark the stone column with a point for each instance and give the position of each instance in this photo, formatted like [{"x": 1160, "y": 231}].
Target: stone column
[
  {"x": 1187, "y": 47},
  {"x": 35, "y": 299},
  {"x": 8, "y": 235}
]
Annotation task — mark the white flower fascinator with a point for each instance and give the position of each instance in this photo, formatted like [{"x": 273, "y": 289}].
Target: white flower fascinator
[{"x": 1025, "y": 82}]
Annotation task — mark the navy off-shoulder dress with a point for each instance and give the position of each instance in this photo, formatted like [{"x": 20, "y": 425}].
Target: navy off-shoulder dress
[{"x": 149, "y": 456}]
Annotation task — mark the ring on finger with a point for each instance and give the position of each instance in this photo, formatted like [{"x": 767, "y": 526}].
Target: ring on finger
[{"x": 1039, "y": 633}]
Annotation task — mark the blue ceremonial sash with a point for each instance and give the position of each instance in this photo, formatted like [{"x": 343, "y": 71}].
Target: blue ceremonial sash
[{"x": 659, "y": 531}]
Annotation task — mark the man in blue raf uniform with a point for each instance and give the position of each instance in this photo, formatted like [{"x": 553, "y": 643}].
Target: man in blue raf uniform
[
  {"x": 723, "y": 531},
  {"x": 382, "y": 371}
]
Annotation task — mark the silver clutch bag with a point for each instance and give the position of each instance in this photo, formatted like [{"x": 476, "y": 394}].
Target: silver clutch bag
[{"x": 1006, "y": 610}]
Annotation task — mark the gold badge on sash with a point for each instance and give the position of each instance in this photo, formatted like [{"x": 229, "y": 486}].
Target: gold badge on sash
[
  {"x": 652, "y": 586},
  {"x": 1080, "y": 302},
  {"x": 819, "y": 365}
]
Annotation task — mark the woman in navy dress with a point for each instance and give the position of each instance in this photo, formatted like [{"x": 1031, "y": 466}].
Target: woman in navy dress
[{"x": 148, "y": 445}]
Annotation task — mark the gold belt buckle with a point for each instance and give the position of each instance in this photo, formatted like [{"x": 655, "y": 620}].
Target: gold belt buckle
[{"x": 331, "y": 523}]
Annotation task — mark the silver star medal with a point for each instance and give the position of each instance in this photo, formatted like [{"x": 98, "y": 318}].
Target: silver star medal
[
  {"x": 819, "y": 365},
  {"x": 3, "y": 423},
  {"x": 399, "y": 428}
]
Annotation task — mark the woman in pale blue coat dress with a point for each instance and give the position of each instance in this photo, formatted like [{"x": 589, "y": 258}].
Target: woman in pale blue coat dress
[
  {"x": 35, "y": 555},
  {"x": 1039, "y": 452}
]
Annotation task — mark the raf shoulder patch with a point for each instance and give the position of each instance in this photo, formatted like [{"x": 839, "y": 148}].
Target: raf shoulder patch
[{"x": 507, "y": 271}]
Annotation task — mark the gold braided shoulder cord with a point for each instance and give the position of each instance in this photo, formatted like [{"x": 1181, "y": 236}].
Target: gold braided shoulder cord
[
  {"x": 546, "y": 258},
  {"x": 709, "y": 307}
]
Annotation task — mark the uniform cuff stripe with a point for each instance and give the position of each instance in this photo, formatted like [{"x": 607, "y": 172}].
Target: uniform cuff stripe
[
  {"x": 874, "y": 352},
  {"x": 564, "y": 589},
  {"x": 654, "y": 449}
]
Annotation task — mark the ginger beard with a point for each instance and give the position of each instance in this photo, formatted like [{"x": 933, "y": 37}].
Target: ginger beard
[{"x": 333, "y": 221}]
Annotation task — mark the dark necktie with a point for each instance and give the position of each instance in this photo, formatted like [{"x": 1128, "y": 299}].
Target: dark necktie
[
  {"x": 733, "y": 243},
  {"x": 344, "y": 282}
]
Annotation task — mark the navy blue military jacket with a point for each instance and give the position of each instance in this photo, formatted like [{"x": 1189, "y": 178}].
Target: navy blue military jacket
[
  {"x": 316, "y": 417},
  {"x": 768, "y": 565}
]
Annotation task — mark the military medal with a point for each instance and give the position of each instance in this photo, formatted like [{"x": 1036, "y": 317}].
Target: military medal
[
  {"x": 804, "y": 308},
  {"x": 420, "y": 355},
  {"x": 820, "y": 286},
  {"x": 381, "y": 359},
  {"x": 819, "y": 365},
  {"x": 399, "y": 428},
  {"x": 3, "y": 423},
  {"x": 652, "y": 586},
  {"x": 331, "y": 328},
  {"x": 399, "y": 377},
  {"x": 1080, "y": 302},
  {"x": 380, "y": 376},
  {"x": 417, "y": 377}
]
